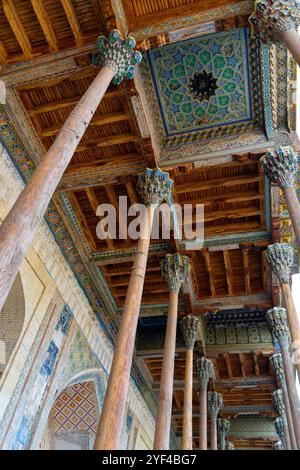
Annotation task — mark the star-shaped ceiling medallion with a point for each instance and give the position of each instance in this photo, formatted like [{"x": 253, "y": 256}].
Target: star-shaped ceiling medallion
[{"x": 203, "y": 85}]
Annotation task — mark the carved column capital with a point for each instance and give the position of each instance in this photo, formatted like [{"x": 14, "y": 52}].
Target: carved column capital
[
  {"x": 223, "y": 426},
  {"x": 272, "y": 18},
  {"x": 119, "y": 54},
  {"x": 279, "y": 426},
  {"x": 277, "y": 320},
  {"x": 281, "y": 166},
  {"x": 280, "y": 256},
  {"x": 175, "y": 270},
  {"x": 277, "y": 366},
  {"x": 279, "y": 403},
  {"x": 204, "y": 369},
  {"x": 154, "y": 186},
  {"x": 190, "y": 327},
  {"x": 214, "y": 403}
]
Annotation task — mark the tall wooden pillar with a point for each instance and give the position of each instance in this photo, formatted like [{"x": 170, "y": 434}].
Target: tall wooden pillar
[
  {"x": 204, "y": 370},
  {"x": 117, "y": 59},
  {"x": 279, "y": 403},
  {"x": 175, "y": 270},
  {"x": 278, "y": 21},
  {"x": 223, "y": 428},
  {"x": 281, "y": 166},
  {"x": 277, "y": 366},
  {"x": 281, "y": 256},
  {"x": 190, "y": 328},
  {"x": 277, "y": 320},
  {"x": 153, "y": 187},
  {"x": 214, "y": 405}
]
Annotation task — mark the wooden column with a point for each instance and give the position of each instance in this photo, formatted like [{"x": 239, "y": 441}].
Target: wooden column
[
  {"x": 214, "y": 404},
  {"x": 153, "y": 187},
  {"x": 281, "y": 258},
  {"x": 22, "y": 222},
  {"x": 223, "y": 428},
  {"x": 278, "y": 21},
  {"x": 190, "y": 328},
  {"x": 277, "y": 319},
  {"x": 204, "y": 370},
  {"x": 175, "y": 270},
  {"x": 281, "y": 166},
  {"x": 277, "y": 365},
  {"x": 279, "y": 403}
]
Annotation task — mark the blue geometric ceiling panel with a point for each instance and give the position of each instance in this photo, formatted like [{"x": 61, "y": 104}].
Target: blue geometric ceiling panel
[{"x": 202, "y": 84}]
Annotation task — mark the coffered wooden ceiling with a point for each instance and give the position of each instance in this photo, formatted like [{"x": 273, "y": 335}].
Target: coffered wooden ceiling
[{"x": 104, "y": 167}]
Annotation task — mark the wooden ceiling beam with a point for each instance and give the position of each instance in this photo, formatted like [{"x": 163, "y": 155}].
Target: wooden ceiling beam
[
  {"x": 17, "y": 27},
  {"x": 241, "y": 357},
  {"x": 3, "y": 53},
  {"x": 100, "y": 18},
  {"x": 232, "y": 197},
  {"x": 65, "y": 102},
  {"x": 94, "y": 204},
  {"x": 79, "y": 167},
  {"x": 228, "y": 365},
  {"x": 143, "y": 20},
  {"x": 53, "y": 106},
  {"x": 232, "y": 228},
  {"x": 96, "y": 121},
  {"x": 82, "y": 221},
  {"x": 206, "y": 256},
  {"x": 106, "y": 142},
  {"x": 220, "y": 182},
  {"x": 126, "y": 270},
  {"x": 235, "y": 213},
  {"x": 256, "y": 366},
  {"x": 246, "y": 270},
  {"x": 114, "y": 200},
  {"x": 127, "y": 180},
  {"x": 226, "y": 256},
  {"x": 46, "y": 24},
  {"x": 73, "y": 21}
]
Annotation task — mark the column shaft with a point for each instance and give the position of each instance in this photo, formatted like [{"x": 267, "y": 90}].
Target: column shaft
[
  {"x": 290, "y": 195},
  {"x": 187, "y": 437},
  {"x": 22, "y": 222},
  {"x": 213, "y": 433},
  {"x": 203, "y": 420},
  {"x": 163, "y": 420},
  {"x": 292, "y": 317},
  {"x": 112, "y": 415},
  {"x": 287, "y": 437},
  {"x": 222, "y": 441},
  {"x": 291, "y": 39},
  {"x": 292, "y": 393},
  {"x": 289, "y": 418}
]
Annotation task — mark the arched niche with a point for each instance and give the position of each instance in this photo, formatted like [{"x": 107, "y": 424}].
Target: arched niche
[{"x": 74, "y": 415}]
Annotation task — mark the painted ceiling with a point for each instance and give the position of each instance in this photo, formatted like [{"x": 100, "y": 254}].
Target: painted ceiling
[{"x": 202, "y": 85}]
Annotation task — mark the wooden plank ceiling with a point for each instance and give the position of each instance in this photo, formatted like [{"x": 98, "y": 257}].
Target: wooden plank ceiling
[{"x": 232, "y": 194}]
